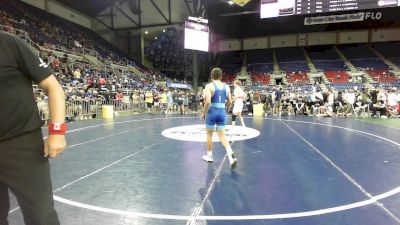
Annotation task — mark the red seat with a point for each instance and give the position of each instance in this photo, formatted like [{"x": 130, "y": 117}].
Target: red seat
[
  {"x": 260, "y": 78},
  {"x": 297, "y": 78},
  {"x": 382, "y": 76},
  {"x": 337, "y": 77}
]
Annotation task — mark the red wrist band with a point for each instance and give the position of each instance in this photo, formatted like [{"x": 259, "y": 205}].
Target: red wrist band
[{"x": 57, "y": 128}]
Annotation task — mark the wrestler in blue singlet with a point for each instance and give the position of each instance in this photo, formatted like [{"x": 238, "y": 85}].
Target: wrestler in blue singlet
[{"x": 216, "y": 113}]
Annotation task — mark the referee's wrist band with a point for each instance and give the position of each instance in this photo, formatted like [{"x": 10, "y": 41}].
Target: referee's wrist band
[{"x": 57, "y": 128}]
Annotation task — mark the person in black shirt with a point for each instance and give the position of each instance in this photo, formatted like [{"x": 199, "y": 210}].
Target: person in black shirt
[{"x": 24, "y": 165}]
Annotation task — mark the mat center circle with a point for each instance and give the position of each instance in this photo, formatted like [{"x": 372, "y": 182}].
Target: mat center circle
[{"x": 198, "y": 133}]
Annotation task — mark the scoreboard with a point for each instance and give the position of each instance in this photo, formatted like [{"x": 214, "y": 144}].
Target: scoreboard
[
  {"x": 196, "y": 36},
  {"x": 275, "y": 8}
]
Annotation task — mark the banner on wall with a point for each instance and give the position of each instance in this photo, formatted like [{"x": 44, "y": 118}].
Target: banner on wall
[
  {"x": 179, "y": 85},
  {"x": 343, "y": 18}
]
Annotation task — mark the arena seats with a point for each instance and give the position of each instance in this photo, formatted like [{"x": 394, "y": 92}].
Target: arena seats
[
  {"x": 303, "y": 87},
  {"x": 362, "y": 57},
  {"x": 371, "y": 64},
  {"x": 330, "y": 65},
  {"x": 387, "y": 85},
  {"x": 297, "y": 78},
  {"x": 382, "y": 76},
  {"x": 337, "y": 76},
  {"x": 346, "y": 86},
  {"x": 260, "y": 68},
  {"x": 259, "y": 56},
  {"x": 290, "y": 54},
  {"x": 262, "y": 79},
  {"x": 326, "y": 58},
  {"x": 292, "y": 60}
]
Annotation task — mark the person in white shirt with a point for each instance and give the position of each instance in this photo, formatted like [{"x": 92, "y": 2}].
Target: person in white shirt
[
  {"x": 329, "y": 103},
  {"x": 398, "y": 101},
  {"x": 238, "y": 98},
  {"x": 392, "y": 103}
]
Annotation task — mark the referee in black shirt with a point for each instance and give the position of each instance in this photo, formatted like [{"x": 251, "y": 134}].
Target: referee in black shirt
[{"x": 24, "y": 165}]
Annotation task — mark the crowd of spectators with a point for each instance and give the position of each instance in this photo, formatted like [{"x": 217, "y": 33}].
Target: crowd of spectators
[
  {"x": 86, "y": 86},
  {"x": 375, "y": 102}
]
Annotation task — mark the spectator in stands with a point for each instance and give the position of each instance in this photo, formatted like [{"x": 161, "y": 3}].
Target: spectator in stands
[{"x": 77, "y": 74}]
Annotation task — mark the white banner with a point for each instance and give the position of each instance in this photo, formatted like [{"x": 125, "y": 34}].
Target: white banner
[{"x": 335, "y": 19}]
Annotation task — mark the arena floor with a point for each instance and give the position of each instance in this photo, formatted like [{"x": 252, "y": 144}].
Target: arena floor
[{"x": 299, "y": 170}]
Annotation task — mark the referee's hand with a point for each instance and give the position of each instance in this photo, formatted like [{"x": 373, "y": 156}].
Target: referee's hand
[{"x": 54, "y": 145}]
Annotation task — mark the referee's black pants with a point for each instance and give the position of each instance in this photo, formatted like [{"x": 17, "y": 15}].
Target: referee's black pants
[{"x": 25, "y": 171}]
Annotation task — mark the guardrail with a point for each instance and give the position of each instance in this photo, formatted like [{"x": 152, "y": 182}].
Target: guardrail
[{"x": 90, "y": 109}]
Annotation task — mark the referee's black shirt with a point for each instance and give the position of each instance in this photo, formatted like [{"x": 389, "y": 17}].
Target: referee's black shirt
[{"x": 19, "y": 66}]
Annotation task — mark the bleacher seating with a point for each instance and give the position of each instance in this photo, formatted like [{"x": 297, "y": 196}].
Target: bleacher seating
[
  {"x": 396, "y": 61},
  {"x": 230, "y": 58},
  {"x": 382, "y": 76},
  {"x": 362, "y": 57},
  {"x": 298, "y": 66},
  {"x": 357, "y": 51},
  {"x": 326, "y": 58},
  {"x": 317, "y": 53},
  {"x": 260, "y": 68},
  {"x": 337, "y": 76},
  {"x": 229, "y": 72},
  {"x": 389, "y": 49},
  {"x": 387, "y": 85},
  {"x": 262, "y": 79},
  {"x": 371, "y": 64},
  {"x": 345, "y": 86},
  {"x": 292, "y": 60},
  {"x": 167, "y": 52},
  {"x": 259, "y": 56},
  {"x": 330, "y": 65},
  {"x": 231, "y": 69},
  {"x": 303, "y": 87},
  {"x": 297, "y": 78},
  {"x": 228, "y": 78},
  {"x": 290, "y": 54}
]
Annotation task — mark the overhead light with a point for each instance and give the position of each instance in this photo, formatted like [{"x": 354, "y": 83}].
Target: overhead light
[
  {"x": 163, "y": 31},
  {"x": 241, "y": 2},
  {"x": 146, "y": 32},
  {"x": 231, "y": 2},
  {"x": 155, "y": 38}
]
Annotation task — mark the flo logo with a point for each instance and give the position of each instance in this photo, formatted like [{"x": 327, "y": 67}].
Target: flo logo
[{"x": 198, "y": 133}]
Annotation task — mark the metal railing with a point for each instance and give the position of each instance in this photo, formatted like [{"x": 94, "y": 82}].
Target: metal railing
[{"x": 90, "y": 109}]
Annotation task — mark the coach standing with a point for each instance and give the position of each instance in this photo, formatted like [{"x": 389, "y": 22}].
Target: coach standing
[{"x": 24, "y": 165}]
